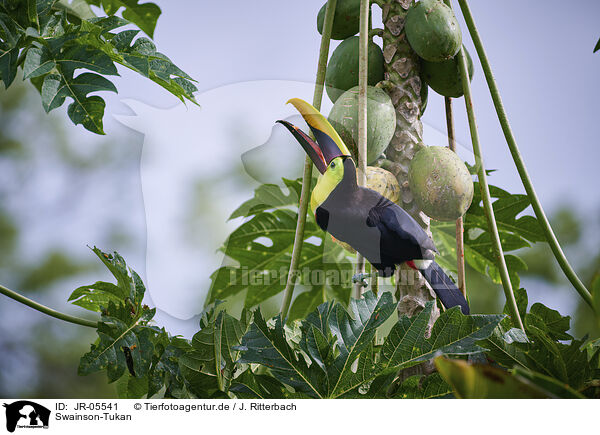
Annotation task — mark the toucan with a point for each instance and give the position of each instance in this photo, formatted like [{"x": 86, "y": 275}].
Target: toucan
[{"x": 379, "y": 229}]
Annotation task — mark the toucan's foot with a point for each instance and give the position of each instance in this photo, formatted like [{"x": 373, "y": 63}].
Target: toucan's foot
[{"x": 361, "y": 278}]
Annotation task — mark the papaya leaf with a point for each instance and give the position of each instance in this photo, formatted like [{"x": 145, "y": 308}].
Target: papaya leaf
[
  {"x": 306, "y": 302},
  {"x": 130, "y": 387},
  {"x": 354, "y": 339},
  {"x": 268, "y": 197},
  {"x": 142, "y": 15},
  {"x": 538, "y": 351},
  {"x": 452, "y": 334},
  {"x": 548, "y": 320},
  {"x": 502, "y": 347},
  {"x": 52, "y": 39},
  {"x": 423, "y": 387},
  {"x": 142, "y": 357},
  {"x": 210, "y": 365},
  {"x": 129, "y": 288},
  {"x": 475, "y": 381},
  {"x": 566, "y": 362},
  {"x": 57, "y": 61},
  {"x": 597, "y": 47},
  {"x": 164, "y": 371},
  {"x": 332, "y": 341},
  {"x": 515, "y": 232},
  {"x": 8, "y": 64},
  {"x": 552, "y": 385},
  {"x": 262, "y": 247},
  {"x": 125, "y": 343},
  {"x": 253, "y": 386},
  {"x": 337, "y": 357},
  {"x": 269, "y": 347},
  {"x": 79, "y": 8}
]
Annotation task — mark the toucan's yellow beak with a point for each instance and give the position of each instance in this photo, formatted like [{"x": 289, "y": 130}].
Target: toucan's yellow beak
[{"x": 330, "y": 143}]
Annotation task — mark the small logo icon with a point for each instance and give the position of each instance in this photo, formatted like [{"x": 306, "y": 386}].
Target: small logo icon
[{"x": 26, "y": 414}]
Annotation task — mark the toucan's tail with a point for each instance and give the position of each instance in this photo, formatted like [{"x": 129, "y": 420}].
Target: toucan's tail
[{"x": 444, "y": 287}]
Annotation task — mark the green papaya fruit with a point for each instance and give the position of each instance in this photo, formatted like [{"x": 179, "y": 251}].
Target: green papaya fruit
[
  {"x": 381, "y": 121},
  {"x": 432, "y": 30},
  {"x": 444, "y": 77},
  {"x": 346, "y": 19},
  {"x": 441, "y": 183},
  {"x": 342, "y": 69}
]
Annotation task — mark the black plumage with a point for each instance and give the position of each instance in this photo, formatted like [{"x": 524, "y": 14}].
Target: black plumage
[{"x": 383, "y": 233}]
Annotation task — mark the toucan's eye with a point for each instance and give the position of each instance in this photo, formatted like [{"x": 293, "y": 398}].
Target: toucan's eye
[{"x": 332, "y": 165}]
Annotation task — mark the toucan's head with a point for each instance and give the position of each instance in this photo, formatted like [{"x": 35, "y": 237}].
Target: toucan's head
[{"x": 329, "y": 147}]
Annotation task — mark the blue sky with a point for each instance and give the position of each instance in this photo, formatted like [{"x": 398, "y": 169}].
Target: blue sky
[{"x": 541, "y": 53}]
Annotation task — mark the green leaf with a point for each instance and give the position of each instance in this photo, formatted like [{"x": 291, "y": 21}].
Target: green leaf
[
  {"x": 354, "y": 335},
  {"x": 423, "y": 387},
  {"x": 143, "y": 15},
  {"x": 486, "y": 382},
  {"x": 597, "y": 47},
  {"x": 130, "y": 387},
  {"x": 268, "y": 197},
  {"x": 264, "y": 265},
  {"x": 55, "y": 90},
  {"x": 8, "y": 65},
  {"x": 60, "y": 37},
  {"x": 57, "y": 61},
  {"x": 95, "y": 296},
  {"x": 37, "y": 63},
  {"x": 332, "y": 340},
  {"x": 502, "y": 347},
  {"x": 210, "y": 365},
  {"x": 252, "y": 386},
  {"x": 337, "y": 357},
  {"x": 567, "y": 363},
  {"x": 453, "y": 334},
  {"x": 129, "y": 288},
  {"x": 268, "y": 347},
  {"x": 553, "y": 386},
  {"x": 164, "y": 370},
  {"x": 306, "y": 302},
  {"x": 548, "y": 320},
  {"x": 79, "y": 8},
  {"x": 124, "y": 344},
  {"x": 515, "y": 232}
]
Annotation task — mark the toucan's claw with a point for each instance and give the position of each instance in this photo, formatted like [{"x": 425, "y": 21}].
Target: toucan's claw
[{"x": 361, "y": 278}]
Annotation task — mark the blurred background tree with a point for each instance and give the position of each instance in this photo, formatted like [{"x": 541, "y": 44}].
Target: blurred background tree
[{"x": 47, "y": 178}]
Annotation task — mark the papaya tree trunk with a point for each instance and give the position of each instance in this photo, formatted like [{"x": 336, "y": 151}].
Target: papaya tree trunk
[{"x": 403, "y": 84}]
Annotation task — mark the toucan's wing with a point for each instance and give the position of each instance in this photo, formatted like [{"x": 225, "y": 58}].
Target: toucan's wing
[{"x": 402, "y": 237}]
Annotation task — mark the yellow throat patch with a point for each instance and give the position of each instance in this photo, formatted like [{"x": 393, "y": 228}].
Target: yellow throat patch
[{"x": 327, "y": 183}]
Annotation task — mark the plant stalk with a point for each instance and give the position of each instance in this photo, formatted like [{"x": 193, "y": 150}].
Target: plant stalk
[
  {"x": 46, "y": 310},
  {"x": 363, "y": 66},
  {"x": 307, "y": 175},
  {"x": 460, "y": 242},
  {"x": 518, "y": 159},
  {"x": 485, "y": 194}
]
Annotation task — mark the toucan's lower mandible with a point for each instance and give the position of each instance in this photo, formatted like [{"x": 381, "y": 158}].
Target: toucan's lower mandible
[{"x": 376, "y": 227}]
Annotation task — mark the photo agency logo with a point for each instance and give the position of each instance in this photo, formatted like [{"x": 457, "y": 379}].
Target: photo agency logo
[{"x": 25, "y": 414}]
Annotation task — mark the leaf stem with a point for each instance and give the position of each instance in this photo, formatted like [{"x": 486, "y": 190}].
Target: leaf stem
[
  {"x": 363, "y": 66},
  {"x": 307, "y": 175},
  {"x": 44, "y": 309},
  {"x": 518, "y": 159},
  {"x": 460, "y": 243},
  {"x": 485, "y": 194}
]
